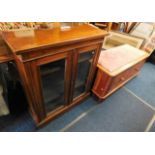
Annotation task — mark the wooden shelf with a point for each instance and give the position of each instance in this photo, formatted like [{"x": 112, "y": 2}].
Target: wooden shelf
[
  {"x": 56, "y": 103},
  {"x": 50, "y": 71},
  {"x": 50, "y": 95}
]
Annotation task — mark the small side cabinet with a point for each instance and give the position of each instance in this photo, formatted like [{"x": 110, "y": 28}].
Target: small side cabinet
[
  {"x": 114, "y": 73},
  {"x": 57, "y": 67}
]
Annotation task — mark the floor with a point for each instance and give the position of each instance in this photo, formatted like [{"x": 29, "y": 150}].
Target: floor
[{"x": 130, "y": 109}]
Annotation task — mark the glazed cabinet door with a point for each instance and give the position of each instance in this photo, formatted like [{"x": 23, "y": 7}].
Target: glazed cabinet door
[
  {"x": 85, "y": 65},
  {"x": 52, "y": 81}
]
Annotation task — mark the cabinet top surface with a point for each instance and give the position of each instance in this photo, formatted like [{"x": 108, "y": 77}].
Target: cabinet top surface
[
  {"x": 118, "y": 59},
  {"x": 23, "y": 40}
]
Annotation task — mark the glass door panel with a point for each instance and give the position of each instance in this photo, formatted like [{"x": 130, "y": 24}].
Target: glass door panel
[
  {"x": 52, "y": 77},
  {"x": 83, "y": 68}
]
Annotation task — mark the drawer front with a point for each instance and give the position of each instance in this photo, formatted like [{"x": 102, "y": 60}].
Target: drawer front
[
  {"x": 135, "y": 69},
  {"x": 124, "y": 76}
]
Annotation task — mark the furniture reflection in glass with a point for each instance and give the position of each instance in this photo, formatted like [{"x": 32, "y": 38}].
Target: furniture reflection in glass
[
  {"x": 64, "y": 79},
  {"x": 83, "y": 67},
  {"x": 52, "y": 75}
]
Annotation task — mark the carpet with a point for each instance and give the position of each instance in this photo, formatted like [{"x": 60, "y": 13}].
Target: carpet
[
  {"x": 144, "y": 84},
  {"x": 152, "y": 128},
  {"x": 121, "y": 112},
  {"x": 19, "y": 123}
]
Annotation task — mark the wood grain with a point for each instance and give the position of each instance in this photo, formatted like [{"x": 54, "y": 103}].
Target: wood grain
[{"x": 34, "y": 48}]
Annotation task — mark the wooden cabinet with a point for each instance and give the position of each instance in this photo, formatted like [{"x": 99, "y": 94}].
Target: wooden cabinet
[
  {"x": 62, "y": 79},
  {"x": 114, "y": 73},
  {"x": 106, "y": 84},
  {"x": 57, "y": 66}
]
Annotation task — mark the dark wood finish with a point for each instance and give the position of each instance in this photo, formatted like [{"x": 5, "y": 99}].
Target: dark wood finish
[{"x": 32, "y": 49}]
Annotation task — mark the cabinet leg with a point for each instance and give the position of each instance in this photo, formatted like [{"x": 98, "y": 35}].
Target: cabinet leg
[{"x": 99, "y": 100}]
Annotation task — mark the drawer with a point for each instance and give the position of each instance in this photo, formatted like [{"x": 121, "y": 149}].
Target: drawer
[
  {"x": 135, "y": 69},
  {"x": 124, "y": 76}
]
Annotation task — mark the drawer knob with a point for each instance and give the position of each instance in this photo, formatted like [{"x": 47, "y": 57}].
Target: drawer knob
[
  {"x": 136, "y": 69},
  {"x": 122, "y": 78},
  {"x": 102, "y": 89}
]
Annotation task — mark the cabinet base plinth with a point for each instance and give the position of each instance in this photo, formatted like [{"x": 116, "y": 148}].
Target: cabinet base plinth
[{"x": 61, "y": 111}]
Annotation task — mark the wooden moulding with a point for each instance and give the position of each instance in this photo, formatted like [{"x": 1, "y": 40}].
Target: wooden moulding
[{"x": 52, "y": 51}]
